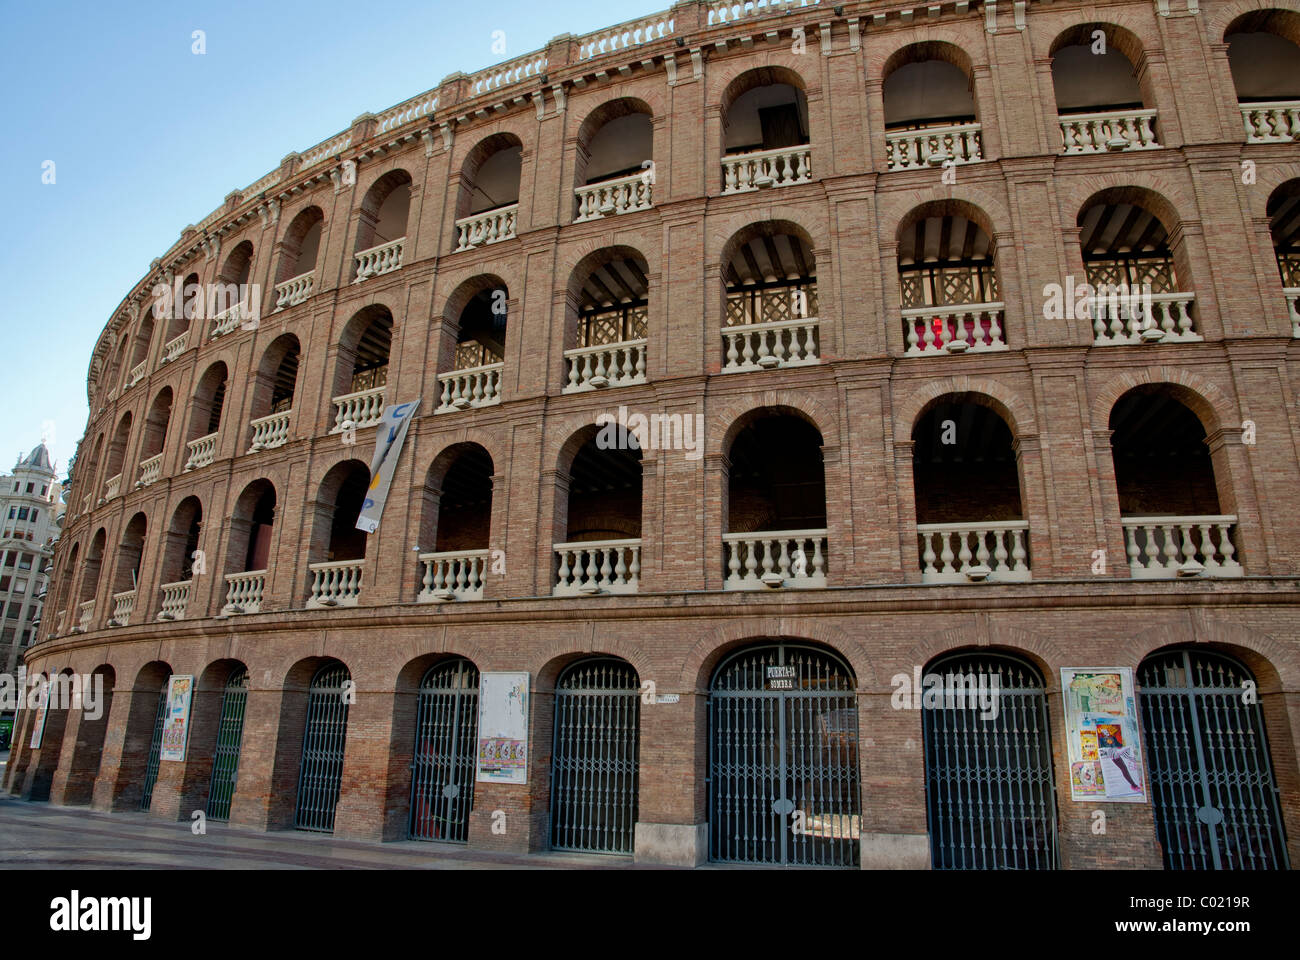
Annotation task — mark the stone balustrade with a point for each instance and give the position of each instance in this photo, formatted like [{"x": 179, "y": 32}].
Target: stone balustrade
[
  {"x": 625, "y": 36},
  {"x": 150, "y": 471},
  {"x": 609, "y": 198},
  {"x": 973, "y": 327},
  {"x": 764, "y": 346},
  {"x": 1292, "y": 295},
  {"x": 270, "y": 432},
  {"x": 174, "y": 348},
  {"x": 1274, "y": 122},
  {"x": 244, "y": 592},
  {"x": 85, "y": 615},
  {"x": 760, "y": 169},
  {"x": 1111, "y": 132},
  {"x": 336, "y": 583},
  {"x": 1162, "y": 548},
  {"x": 931, "y": 146},
  {"x": 605, "y": 365},
  {"x": 597, "y": 566},
  {"x": 993, "y": 551},
  {"x": 230, "y": 318},
  {"x": 136, "y": 374},
  {"x": 175, "y": 600},
  {"x": 362, "y": 409},
  {"x": 471, "y": 387},
  {"x": 384, "y": 258},
  {"x": 1154, "y": 318},
  {"x": 294, "y": 290},
  {"x": 112, "y": 487},
  {"x": 771, "y": 559},
  {"x": 202, "y": 452},
  {"x": 488, "y": 227},
  {"x": 123, "y": 605},
  {"x": 453, "y": 575}
]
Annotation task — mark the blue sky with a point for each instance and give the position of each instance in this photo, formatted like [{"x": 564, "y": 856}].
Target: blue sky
[{"x": 146, "y": 137}]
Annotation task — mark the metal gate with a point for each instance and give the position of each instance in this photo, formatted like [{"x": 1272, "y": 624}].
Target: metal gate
[
  {"x": 990, "y": 794},
  {"x": 783, "y": 759},
  {"x": 324, "y": 737},
  {"x": 1214, "y": 795},
  {"x": 594, "y": 761},
  {"x": 155, "y": 752},
  {"x": 446, "y": 738},
  {"x": 230, "y": 735}
]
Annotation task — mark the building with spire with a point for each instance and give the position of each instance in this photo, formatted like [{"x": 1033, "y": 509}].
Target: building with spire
[{"x": 31, "y": 516}]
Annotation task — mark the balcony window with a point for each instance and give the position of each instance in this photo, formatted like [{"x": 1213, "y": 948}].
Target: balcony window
[
  {"x": 1102, "y": 104},
  {"x": 338, "y": 549},
  {"x": 296, "y": 264},
  {"x": 248, "y": 553},
  {"x": 472, "y": 345},
  {"x": 606, "y": 340},
  {"x": 1284, "y": 228},
  {"x": 362, "y": 369},
  {"x": 771, "y": 310},
  {"x": 765, "y": 131},
  {"x": 598, "y": 520},
  {"x": 929, "y": 104},
  {"x": 614, "y": 161},
  {"x": 382, "y": 227},
  {"x": 455, "y": 525},
  {"x": 274, "y": 383},
  {"x": 488, "y": 203},
  {"x": 1264, "y": 56}
]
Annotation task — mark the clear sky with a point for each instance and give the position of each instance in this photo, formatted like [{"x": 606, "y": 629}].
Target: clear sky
[{"x": 147, "y": 136}]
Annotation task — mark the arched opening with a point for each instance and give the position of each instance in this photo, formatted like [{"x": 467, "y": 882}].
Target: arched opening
[
  {"x": 142, "y": 745},
  {"x": 456, "y": 520},
  {"x": 471, "y": 345},
  {"x": 155, "y": 426},
  {"x": 68, "y": 571},
  {"x": 116, "y": 372},
  {"x": 929, "y": 103},
  {"x": 205, "y": 417},
  {"x": 217, "y": 731},
  {"x": 776, "y": 504},
  {"x": 598, "y": 513},
  {"x": 1169, "y": 499},
  {"x": 765, "y": 131},
  {"x": 1213, "y": 792},
  {"x": 274, "y": 383},
  {"x": 248, "y": 548},
  {"x": 325, "y": 733},
  {"x": 783, "y": 758},
  {"x": 88, "y": 745},
  {"x": 338, "y": 549},
  {"x": 989, "y": 787},
  {"x": 231, "y": 289},
  {"x": 116, "y": 459},
  {"x": 143, "y": 340},
  {"x": 381, "y": 229},
  {"x": 89, "y": 588},
  {"x": 595, "y": 757},
  {"x": 126, "y": 576},
  {"x": 361, "y": 370},
  {"x": 443, "y": 765},
  {"x": 295, "y": 270},
  {"x": 1101, "y": 92},
  {"x": 1264, "y": 57},
  {"x": 48, "y": 736},
  {"x": 1135, "y": 272},
  {"x": 770, "y": 278},
  {"x": 488, "y": 202},
  {"x": 605, "y": 338},
  {"x": 180, "y": 557},
  {"x": 948, "y": 281},
  {"x": 1284, "y": 228},
  {"x": 966, "y": 477},
  {"x": 615, "y": 160}
]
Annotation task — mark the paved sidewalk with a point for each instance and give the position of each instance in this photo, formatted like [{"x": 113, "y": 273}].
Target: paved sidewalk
[{"x": 43, "y": 837}]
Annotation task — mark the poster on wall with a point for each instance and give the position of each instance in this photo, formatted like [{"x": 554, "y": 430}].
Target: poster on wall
[
  {"x": 1101, "y": 728},
  {"x": 502, "y": 728},
  {"x": 176, "y": 721}
]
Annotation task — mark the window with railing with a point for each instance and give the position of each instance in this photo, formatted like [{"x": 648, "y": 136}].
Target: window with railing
[
  {"x": 369, "y": 378},
  {"x": 1133, "y": 272},
  {"x": 473, "y": 353},
  {"x": 948, "y": 283},
  {"x": 1288, "y": 265},
  {"x": 616, "y": 325},
  {"x": 772, "y": 303}
]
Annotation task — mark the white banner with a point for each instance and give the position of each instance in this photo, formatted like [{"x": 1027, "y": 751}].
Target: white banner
[
  {"x": 502, "y": 728},
  {"x": 388, "y": 447}
]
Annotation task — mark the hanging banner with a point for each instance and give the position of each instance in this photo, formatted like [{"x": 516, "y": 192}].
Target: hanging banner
[
  {"x": 1101, "y": 729},
  {"x": 176, "y": 721},
  {"x": 502, "y": 728},
  {"x": 388, "y": 447},
  {"x": 38, "y": 727}
]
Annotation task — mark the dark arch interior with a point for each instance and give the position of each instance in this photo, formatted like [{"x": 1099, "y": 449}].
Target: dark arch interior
[
  {"x": 604, "y": 493},
  {"x": 766, "y": 117},
  {"x": 345, "y": 541},
  {"x": 777, "y": 479},
  {"x": 465, "y": 506},
  {"x": 1162, "y": 465},
  {"x": 481, "y": 334},
  {"x": 964, "y": 466}
]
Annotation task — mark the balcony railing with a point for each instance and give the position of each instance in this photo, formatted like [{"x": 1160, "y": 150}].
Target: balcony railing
[
  {"x": 174, "y": 348},
  {"x": 609, "y": 198},
  {"x": 175, "y": 600},
  {"x": 384, "y": 258},
  {"x": 931, "y": 146},
  {"x": 229, "y": 318},
  {"x": 472, "y": 387},
  {"x": 1157, "y": 318},
  {"x": 244, "y": 592},
  {"x": 150, "y": 471},
  {"x": 973, "y": 327},
  {"x": 1292, "y": 295},
  {"x": 784, "y": 558},
  {"x": 85, "y": 615},
  {"x": 1275, "y": 122},
  {"x": 335, "y": 584},
  {"x": 605, "y": 365},
  {"x": 597, "y": 566},
  {"x": 202, "y": 452},
  {"x": 1112, "y": 132},
  {"x": 1162, "y": 548},
  {"x": 123, "y": 604},
  {"x": 763, "y": 346},
  {"x": 112, "y": 486},
  {"x": 294, "y": 290},
  {"x": 270, "y": 432},
  {"x": 491, "y": 226},
  {"x": 453, "y": 575},
  {"x": 742, "y": 172},
  {"x": 136, "y": 374},
  {"x": 363, "y": 409},
  {"x": 995, "y": 551}
]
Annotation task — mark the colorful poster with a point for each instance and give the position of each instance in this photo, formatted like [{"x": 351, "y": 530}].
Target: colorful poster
[
  {"x": 176, "y": 721},
  {"x": 502, "y": 728},
  {"x": 1101, "y": 731}
]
